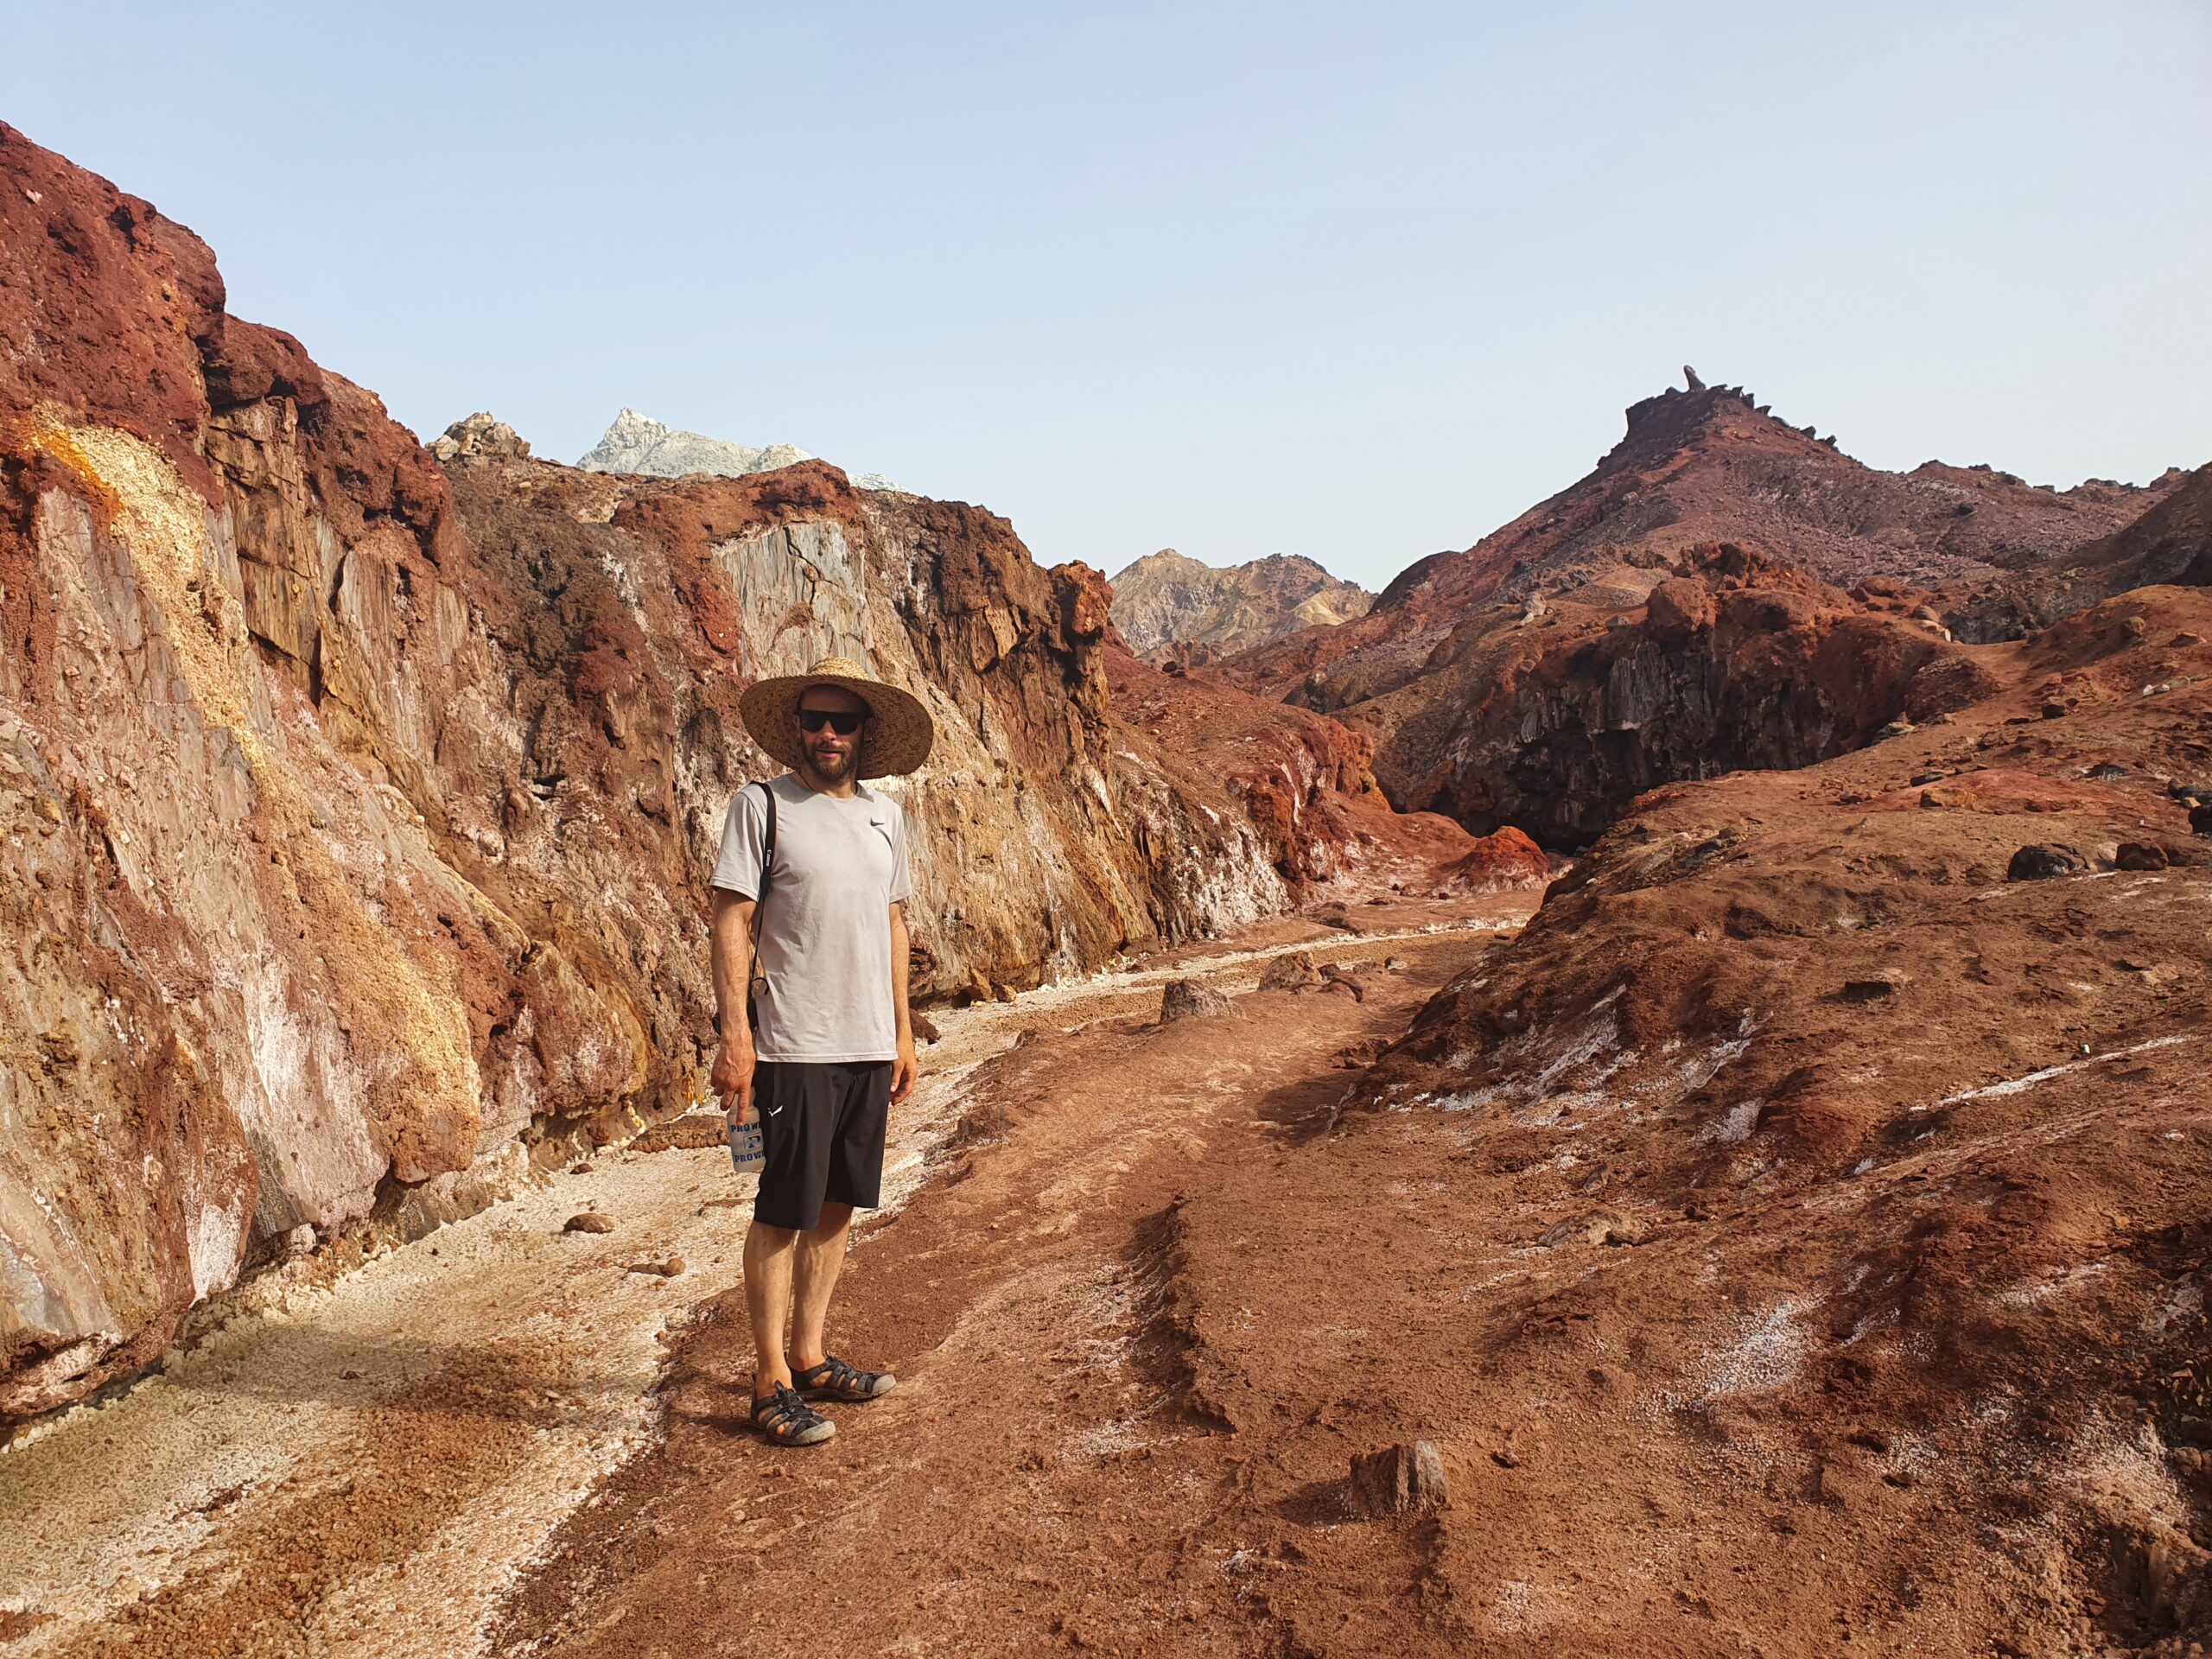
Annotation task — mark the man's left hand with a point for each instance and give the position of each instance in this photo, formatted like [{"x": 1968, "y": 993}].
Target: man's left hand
[{"x": 904, "y": 1071}]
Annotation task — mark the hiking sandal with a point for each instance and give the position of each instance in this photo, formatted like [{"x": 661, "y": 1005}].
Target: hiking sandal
[
  {"x": 787, "y": 1420},
  {"x": 835, "y": 1380}
]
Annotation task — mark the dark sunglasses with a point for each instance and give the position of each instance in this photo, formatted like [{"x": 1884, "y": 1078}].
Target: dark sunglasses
[{"x": 842, "y": 722}]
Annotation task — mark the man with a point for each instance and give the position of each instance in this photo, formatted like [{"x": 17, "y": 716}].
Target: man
[{"x": 834, "y": 1044}]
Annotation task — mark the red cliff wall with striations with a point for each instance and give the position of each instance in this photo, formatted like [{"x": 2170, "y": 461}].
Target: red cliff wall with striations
[{"x": 360, "y": 806}]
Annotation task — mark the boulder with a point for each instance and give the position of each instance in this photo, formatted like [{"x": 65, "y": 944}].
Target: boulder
[
  {"x": 2041, "y": 861},
  {"x": 1187, "y": 999},
  {"x": 1334, "y": 976},
  {"x": 1678, "y": 608},
  {"x": 2140, "y": 856},
  {"x": 1291, "y": 971}
]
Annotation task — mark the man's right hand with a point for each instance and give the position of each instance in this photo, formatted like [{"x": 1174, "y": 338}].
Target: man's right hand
[{"x": 732, "y": 1077}]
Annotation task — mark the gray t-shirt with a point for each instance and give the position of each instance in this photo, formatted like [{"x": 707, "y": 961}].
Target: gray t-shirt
[{"x": 825, "y": 925}]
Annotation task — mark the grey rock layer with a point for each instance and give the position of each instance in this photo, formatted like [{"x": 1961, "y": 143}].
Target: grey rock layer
[{"x": 638, "y": 443}]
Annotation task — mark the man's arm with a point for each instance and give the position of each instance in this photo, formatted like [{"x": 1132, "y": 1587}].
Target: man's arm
[
  {"x": 904, "y": 1069},
  {"x": 731, "y": 950}
]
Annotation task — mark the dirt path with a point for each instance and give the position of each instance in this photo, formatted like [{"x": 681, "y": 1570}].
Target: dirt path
[
  {"x": 363, "y": 1470},
  {"x": 1048, "y": 1476}
]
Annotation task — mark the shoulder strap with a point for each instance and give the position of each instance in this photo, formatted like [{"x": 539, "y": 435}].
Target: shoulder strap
[
  {"x": 753, "y": 990},
  {"x": 767, "y": 840}
]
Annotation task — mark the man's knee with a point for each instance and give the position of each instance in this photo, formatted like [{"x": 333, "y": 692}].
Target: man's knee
[{"x": 763, "y": 1239}]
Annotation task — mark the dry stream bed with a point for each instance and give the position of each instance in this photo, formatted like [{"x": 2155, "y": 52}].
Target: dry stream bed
[{"x": 368, "y": 1466}]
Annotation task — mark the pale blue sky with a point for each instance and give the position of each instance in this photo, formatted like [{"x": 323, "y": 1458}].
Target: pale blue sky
[{"x": 1359, "y": 281}]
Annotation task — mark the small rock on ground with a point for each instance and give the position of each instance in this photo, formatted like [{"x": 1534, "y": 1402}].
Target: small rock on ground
[
  {"x": 2040, "y": 862},
  {"x": 1291, "y": 971},
  {"x": 1186, "y": 999},
  {"x": 589, "y": 1221},
  {"x": 1400, "y": 1480},
  {"x": 1598, "y": 1227}
]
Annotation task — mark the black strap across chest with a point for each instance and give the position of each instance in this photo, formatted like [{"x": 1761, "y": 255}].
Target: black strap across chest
[{"x": 767, "y": 843}]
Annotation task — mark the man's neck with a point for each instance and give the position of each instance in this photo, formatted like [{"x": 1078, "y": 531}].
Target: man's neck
[{"x": 820, "y": 786}]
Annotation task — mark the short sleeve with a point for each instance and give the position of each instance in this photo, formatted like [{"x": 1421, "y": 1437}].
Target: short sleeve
[
  {"x": 745, "y": 828},
  {"x": 902, "y": 874}
]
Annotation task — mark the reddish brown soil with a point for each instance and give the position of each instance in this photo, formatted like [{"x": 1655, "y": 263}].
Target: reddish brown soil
[{"x": 1059, "y": 1470}]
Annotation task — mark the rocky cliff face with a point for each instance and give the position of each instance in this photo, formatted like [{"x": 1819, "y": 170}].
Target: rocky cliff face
[
  {"x": 1677, "y": 612},
  {"x": 1705, "y": 467},
  {"x": 1306, "y": 782},
  {"x": 358, "y": 806},
  {"x": 1167, "y": 606},
  {"x": 1555, "y": 721},
  {"x": 635, "y": 443}
]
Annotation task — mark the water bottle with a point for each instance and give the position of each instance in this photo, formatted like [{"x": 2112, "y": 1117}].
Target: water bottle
[{"x": 746, "y": 1151}]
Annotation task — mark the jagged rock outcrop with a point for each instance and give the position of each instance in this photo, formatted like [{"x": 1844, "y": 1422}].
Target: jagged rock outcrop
[
  {"x": 636, "y": 443},
  {"x": 1164, "y": 604},
  {"x": 360, "y": 806},
  {"x": 2170, "y": 543},
  {"x": 481, "y": 436},
  {"x": 1605, "y": 643},
  {"x": 1306, "y": 782},
  {"x": 1695, "y": 468},
  {"x": 1555, "y": 724}
]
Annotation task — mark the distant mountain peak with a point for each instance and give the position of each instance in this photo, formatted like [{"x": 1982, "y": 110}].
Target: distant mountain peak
[
  {"x": 1167, "y": 601},
  {"x": 638, "y": 443}
]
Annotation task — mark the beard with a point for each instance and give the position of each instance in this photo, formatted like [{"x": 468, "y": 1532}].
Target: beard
[{"x": 834, "y": 768}]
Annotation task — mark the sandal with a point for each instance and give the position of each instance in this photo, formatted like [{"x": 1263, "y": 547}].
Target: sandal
[
  {"x": 835, "y": 1380},
  {"x": 787, "y": 1420}
]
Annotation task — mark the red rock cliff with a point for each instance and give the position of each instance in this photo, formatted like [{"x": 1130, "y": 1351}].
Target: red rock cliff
[{"x": 361, "y": 807}]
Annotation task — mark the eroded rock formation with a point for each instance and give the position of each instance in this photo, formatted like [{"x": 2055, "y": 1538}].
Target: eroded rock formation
[
  {"x": 1555, "y": 722},
  {"x": 1306, "y": 782},
  {"x": 2171, "y": 541},
  {"x": 1696, "y": 468}
]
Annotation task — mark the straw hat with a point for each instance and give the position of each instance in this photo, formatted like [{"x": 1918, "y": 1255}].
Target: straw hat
[{"x": 899, "y": 742}]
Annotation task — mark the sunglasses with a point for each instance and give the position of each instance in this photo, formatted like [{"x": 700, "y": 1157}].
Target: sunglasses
[{"x": 842, "y": 722}]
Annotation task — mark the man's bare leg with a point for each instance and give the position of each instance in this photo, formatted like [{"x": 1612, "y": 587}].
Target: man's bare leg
[
  {"x": 768, "y": 1255},
  {"x": 821, "y": 1254}
]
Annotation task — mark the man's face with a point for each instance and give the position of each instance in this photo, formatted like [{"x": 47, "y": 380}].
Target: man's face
[{"x": 832, "y": 755}]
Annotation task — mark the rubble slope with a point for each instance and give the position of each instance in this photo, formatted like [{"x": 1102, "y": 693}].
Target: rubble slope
[{"x": 1796, "y": 1235}]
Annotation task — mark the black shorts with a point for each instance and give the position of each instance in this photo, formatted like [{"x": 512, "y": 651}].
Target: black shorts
[{"x": 822, "y": 1127}]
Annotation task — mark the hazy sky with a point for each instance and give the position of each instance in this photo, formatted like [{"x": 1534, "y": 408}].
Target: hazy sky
[{"x": 1359, "y": 281}]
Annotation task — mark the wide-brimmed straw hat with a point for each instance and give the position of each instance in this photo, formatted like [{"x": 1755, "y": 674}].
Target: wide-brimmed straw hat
[{"x": 899, "y": 742}]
